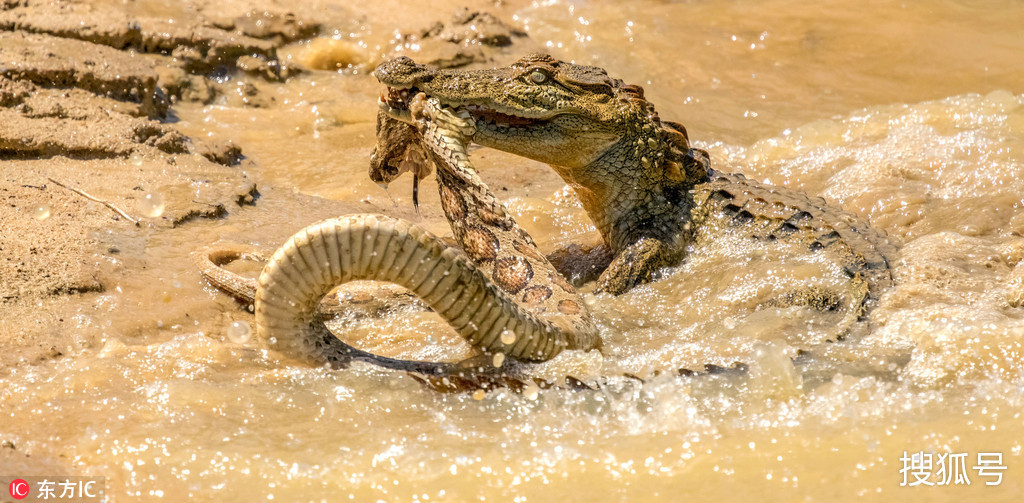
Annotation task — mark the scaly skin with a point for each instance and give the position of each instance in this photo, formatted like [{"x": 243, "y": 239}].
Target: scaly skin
[
  {"x": 376, "y": 247},
  {"x": 650, "y": 194},
  {"x": 490, "y": 236},
  {"x": 486, "y": 290}
]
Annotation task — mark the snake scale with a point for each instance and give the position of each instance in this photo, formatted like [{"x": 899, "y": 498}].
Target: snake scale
[
  {"x": 498, "y": 291},
  {"x": 651, "y": 195}
]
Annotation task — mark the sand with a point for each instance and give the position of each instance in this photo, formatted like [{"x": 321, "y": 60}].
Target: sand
[{"x": 85, "y": 100}]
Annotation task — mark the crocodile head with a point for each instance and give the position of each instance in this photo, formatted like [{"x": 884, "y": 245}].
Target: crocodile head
[
  {"x": 600, "y": 134},
  {"x": 554, "y": 112}
]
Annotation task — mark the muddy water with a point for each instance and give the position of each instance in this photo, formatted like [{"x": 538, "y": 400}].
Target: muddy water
[{"x": 911, "y": 115}]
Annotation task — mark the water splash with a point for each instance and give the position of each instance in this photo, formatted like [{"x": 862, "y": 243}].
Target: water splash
[
  {"x": 152, "y": 205},
  {"x": 41, "y": 212},
  {"x": 508, "y": 337},
  {"x": 239, "y": 332},
  {"x": 531, "y": 391}
]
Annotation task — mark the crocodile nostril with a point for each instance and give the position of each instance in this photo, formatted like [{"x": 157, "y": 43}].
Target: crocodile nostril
[{"x": 398, "y": 66}]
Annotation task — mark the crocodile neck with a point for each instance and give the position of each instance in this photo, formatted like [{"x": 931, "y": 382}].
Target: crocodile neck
[
  {"x": 647, "y": 191},
  {"x": 631, "y": 170},
  {"x": 628, "y": 201}
]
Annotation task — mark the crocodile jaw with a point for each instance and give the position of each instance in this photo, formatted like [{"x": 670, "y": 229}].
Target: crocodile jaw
[
  {"x": 558, "y": 138},
  {"x": 397, "y": 102}
]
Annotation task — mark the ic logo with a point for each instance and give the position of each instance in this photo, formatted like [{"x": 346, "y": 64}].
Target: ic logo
[{"x": 18, "y": 489}]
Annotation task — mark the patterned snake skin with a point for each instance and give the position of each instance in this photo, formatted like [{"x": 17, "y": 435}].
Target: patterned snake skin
[
  {"x": 650, "y": 194},
  {"x": 498, "y": 291}
]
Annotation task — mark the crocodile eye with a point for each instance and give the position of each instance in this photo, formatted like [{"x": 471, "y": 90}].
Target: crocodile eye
[{"x": 538, "y": 77}]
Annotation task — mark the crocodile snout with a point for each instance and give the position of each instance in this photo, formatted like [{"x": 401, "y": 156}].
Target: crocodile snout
[{"x": 402, "y": 72}]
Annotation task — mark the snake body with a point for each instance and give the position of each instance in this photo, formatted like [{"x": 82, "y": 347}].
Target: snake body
[
  {"x": 650, "y": 194},
  {"x": 498, "y": 291}
]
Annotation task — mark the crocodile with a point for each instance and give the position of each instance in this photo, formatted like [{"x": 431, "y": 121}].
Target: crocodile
[
  {"x": 495, "y": 288},
  {"x": 650, "y": 194}
]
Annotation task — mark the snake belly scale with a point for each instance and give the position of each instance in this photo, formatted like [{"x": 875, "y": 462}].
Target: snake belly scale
[{"x": 498, "y": 291}]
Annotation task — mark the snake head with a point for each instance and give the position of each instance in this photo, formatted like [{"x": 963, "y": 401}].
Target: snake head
[{"x": 398, "y": 150}]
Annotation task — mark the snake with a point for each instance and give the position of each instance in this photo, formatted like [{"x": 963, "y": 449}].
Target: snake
[{"x": 495, "y": 289}]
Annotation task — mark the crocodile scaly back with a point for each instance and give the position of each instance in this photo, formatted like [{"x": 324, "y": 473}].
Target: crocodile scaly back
[{"x": 777, "y": 213}]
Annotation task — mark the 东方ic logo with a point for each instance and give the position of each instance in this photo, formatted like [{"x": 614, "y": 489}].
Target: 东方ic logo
[{"x": 18, "y": 489}]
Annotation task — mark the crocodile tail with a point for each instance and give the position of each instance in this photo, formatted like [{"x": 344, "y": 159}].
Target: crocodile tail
[{"x": 376, "y": 247}]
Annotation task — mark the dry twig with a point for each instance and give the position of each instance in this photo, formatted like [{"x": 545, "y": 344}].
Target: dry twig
[{"x": 117, "y": 210}]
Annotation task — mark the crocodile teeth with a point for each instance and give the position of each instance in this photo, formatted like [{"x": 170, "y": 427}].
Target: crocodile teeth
[{"x": 398, "y": 98}]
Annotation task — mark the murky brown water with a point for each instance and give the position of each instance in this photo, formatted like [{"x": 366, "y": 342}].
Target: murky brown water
[{"x": 912, "y": 115}]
